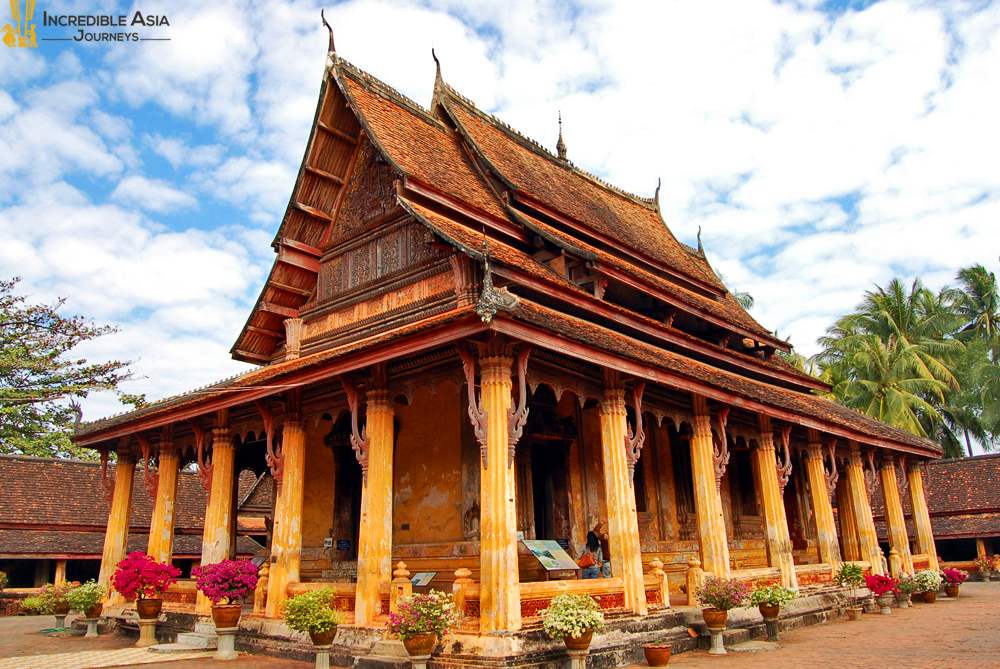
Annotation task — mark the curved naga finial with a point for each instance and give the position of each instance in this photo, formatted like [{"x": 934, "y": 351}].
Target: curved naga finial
[
  {"x": 359, "y": 442},
  {"x": 720, "y": 449},
  {"x": 785, "y": 470},
  {"x": 634, "y": 441},
  {"x": 331, "y": 48},
  {"x": 516, "y": 419},
  {"x": 492, "y": 300},
  {"x": 74, "y": 406},
  {"x": 477, "y": 415}
]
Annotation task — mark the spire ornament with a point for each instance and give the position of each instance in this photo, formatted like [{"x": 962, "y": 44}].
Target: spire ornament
[
  {"x": 561, "y": 145},
  {"x": 331, "y": 48},
  {"x": 492, "y": 300}
]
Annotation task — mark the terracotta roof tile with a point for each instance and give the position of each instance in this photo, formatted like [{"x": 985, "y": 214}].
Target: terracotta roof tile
[{"x": 29, "y": 543}]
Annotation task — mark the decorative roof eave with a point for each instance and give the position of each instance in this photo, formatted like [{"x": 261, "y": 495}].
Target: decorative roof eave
[{"x": 512, "y": 325}]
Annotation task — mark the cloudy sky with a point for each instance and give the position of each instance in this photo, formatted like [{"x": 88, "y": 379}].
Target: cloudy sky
[{"x": 822, "y": 147}]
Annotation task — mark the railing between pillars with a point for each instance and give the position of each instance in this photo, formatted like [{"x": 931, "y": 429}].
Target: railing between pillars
[
  {"x": 921, "y": 561},
  {"x": 813, "y": 574}
]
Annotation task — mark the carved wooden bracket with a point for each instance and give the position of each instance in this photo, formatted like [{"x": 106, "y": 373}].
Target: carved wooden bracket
[
  {"x": 476, "y": 412},
  {"x": 152, "y": 480},
  {"x": 927, "y": 470},
  {"x": 107, "y": 487},
  {"x": 870, "y": 475},
  {"x": 359, "y": 442},
  {"x": 517, "y": 418},
  {"x": 720, "y": 449},
  {"x": 785, "y": 470},
  {"x": 833, "y": 475},
  {"x": 635, "y": 441},
  {"x": 275, "y": 461},
  {"x": 492, "y": 300},
  {"x": 904, "y": 482},
  {"x": 204, "y": 471}
]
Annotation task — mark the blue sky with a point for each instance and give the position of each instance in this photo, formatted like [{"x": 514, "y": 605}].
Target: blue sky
[{"x": 822, "y": 147}]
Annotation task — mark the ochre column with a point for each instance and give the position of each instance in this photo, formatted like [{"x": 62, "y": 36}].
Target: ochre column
[
  {"x": 826, "y": 528},
  {"x": 375, "y": 533},
  {"x": 626, "y": 553},
  {"x": 286, "y": 542},
  {"x": 499, "y": 593},
  {"x": 894, "y": 518},
  {"x": 60, "y": 572},
  {"x": 867, "y": 538},
  {"x": 161, "y": 525},
  {"x": 116, "y": 537},
  {"x": 215, "y": 538},
  {"x": 707, "y": 500},
  {"x": 921, "y": 516},
  {"x": 779, "y": 544},
  {"x": 850, "y": 545}
]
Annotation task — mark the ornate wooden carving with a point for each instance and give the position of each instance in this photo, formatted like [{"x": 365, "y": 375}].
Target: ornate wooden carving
[
  {"x": 720, "y": 448},
  {"x": 275, "y": 461},
  {"x": 359, "y": 441},
  {"x": 370, "y": 194},
  {"x": 904, "y": 480},
  {"x": 476, "y": 412},
  {"x": 107, "y": 487},
  {"x": 150, "y": 479},
  {"x": 635, "y": 440},
  {"x": 204, "y": 471},
  {"x": 785, "y": 469},
  {"x": 517, "y": 418},
  {"x": 492, "y": 300},
  {"x": 870, "y": 475},
  {"x": 463, "y": 273},
  {"x": 831, "y": 476}
]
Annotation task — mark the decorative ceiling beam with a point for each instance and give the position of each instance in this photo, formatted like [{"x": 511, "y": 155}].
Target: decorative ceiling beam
[
  {"x": 296, "y": 258},
  {"x": 336, "y": 133},
  {"x": 265, "y": 332},
  {"x": 312, "y": 211},
  {"x": 294, "y": 290},
  {"x": 250, "y": 355},
  {"x": 323, "y": 174},
  {"x": 272, "y": 308}
]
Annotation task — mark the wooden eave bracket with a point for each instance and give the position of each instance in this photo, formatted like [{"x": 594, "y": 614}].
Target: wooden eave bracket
[
  {"x": 150, "y": 479},
  {"x": 720, "y": 448},
  {"x": 831, "y": 476},
  {"x": 360, "y": 442},
  {"x": 516, "y": 419},
  {"x": 634, "y": 439},
  {"x": 785, "y": 469},
  {"x": 204, "y": 471},
  {"x": 275, "y": 461},
  {"x": 477, "y": 415},
  {"x": 107, "y": 487}
]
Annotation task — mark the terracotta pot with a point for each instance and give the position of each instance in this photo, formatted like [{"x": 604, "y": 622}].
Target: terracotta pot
[
  {"x": 60, "y": 609},
  {"x": 656, "y": 655},
  {"x": 323, "y": 638},
  {"x": 951, "y": 590},
  {"x": 581, "y": 642},
  {"x": 420, "y": 644},
  {"x": 885, "y": 602},
  {"x": 769, "y": 612},
  {"x": 854, "y": 613},
  {"x": 714, "y": 618},
  {"x": 930, "y": 597},
  {"x": 149, "y": 609},
  {"x": 94, "y": 611},
  {"x": 226, "y": 615}
]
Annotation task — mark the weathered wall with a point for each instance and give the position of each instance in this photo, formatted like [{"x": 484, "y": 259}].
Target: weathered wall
[
  {"x": 428, "y": 468},
  {"x": 320, "y": 479}
]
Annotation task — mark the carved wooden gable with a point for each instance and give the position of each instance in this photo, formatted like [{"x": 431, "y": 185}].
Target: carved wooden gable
[{"x": 370, "y": 196}]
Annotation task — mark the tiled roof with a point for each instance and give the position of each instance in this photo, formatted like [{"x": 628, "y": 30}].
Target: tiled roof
[{"x": 30, "y": 543}]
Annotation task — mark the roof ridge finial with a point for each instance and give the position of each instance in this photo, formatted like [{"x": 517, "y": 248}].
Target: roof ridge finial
[
  {"x": 561, "y": 145},
  {"x": 701, "y": 249},
  {"x": 331, "y": 48}
]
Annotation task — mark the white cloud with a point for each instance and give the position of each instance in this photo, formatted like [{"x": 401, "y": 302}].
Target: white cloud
[{"x": 151, "y": 194}]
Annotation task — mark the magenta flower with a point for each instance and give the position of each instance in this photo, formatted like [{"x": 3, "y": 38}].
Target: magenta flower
[{"x": 231, "y": 580}]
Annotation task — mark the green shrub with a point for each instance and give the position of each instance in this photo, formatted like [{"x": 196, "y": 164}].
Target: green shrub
[
  {"x": 571, "y": 616},
  {"x": 771, "y": 595},
  {"x": 312, "y": 611},
  {"x": 85, "y": 596},
  {"x": 36, "y": 605}
]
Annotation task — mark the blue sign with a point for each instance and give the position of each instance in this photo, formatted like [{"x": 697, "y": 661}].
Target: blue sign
[{"x": 343, "y": 544}]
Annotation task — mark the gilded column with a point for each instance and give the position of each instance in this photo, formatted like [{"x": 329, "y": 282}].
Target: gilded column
[
  {"x": 921, "y": 516},
  {"x": 707, "y": 500},
  {"x": 867, "y": 537},
  {"x": 849, "y": 542},
  {"x": 375, "y": 533},
  {"x": 894, "y": 518},
  {"x": 626, "y": 553},
  {"x": 216, "y": 537},
  {"x": 161, "y": 525},
  {"x": 779, "y": 543},
  {"x": 116, "y": 537},
  {"x": 826, "y": 528},
  {"x": 499, "y": 594},
  {"x": 286, "y": 542}
]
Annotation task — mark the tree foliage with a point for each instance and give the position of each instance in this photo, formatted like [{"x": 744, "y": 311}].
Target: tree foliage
[
  {"x": 925, "y": 362},
  {"x": 40, "y": 379}
]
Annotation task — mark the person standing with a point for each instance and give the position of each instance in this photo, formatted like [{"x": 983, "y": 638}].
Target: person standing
[
  {"x": 605, "y": 539},
  {"x": 592, "y": 557}
]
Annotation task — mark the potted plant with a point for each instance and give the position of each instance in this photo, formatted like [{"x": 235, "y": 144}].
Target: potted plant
[
  {"x": 312, "y": 612},
  {"x": 884, "y": 588},
  {"x": 954, "y": 578},
  {"x": 574, "y": 618},
  {"x": 35, "y": 606},
  {"x": 657, "y": 653},
  {"x": 143, "y": 579},
  {"x": 422, "y": 620},
  {"x": 929, "y": 582},
  {"x": 719, "y": 595},
  {"x": 3, "y": 580},
  {"x": 56, "y": 597},
  {"x": 852, "y": 577},
  {"x": 231, "y": 581},
  {"x": 905, "y": 589},
  {"x": 769, "y": 598},
  {"x": 87, "y": 598}
]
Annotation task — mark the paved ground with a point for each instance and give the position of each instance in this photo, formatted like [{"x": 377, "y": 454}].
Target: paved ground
[{"x": 951, "y": 634}]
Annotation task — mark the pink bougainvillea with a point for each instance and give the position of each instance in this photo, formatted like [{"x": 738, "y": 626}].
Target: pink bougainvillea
[
  {"x": 955, "y": 577},
  {"x": 880, "y": 585},
  {"x": 139, "y": 576},
  {"x": 230, "y": 580}
]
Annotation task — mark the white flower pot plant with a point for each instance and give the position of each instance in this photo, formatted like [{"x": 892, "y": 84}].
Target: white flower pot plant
[{"x": 574, "y": 618}]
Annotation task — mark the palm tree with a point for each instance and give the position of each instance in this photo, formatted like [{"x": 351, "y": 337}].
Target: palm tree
[{"x": 977, "y": 303}]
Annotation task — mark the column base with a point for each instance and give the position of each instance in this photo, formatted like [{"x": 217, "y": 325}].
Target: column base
[
  {"x": 419, "y": 661},
  {"x": 718, "y": 647},
  {"x": 323, "y": 657},
  {"x": 227, "y": 643},
  {"x": 91, "y": 627},
  {"x": 771, "y": 624},
  {"x": 578, "y": 658},
  {"x": 60, "y": 622},
  {"x": 147, "y": 633}
]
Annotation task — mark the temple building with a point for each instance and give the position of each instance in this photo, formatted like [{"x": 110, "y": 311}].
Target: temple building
[{"x": 465, "y": 344}]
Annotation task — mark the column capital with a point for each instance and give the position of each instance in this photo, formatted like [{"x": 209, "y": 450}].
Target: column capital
[
  {"x": 378, "y": 400},
  {"x": 765, "y": 440},
  {"x": 613, "y": 401},
  {"x": 914, "y": 465},
  {"x": 220, "y": 438},
  {"x": 887, "y": 461},
  {"x": 495, "y": 369},
  {"x": 168, "y": 452},
  {"x": 813, "y": 451}
]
